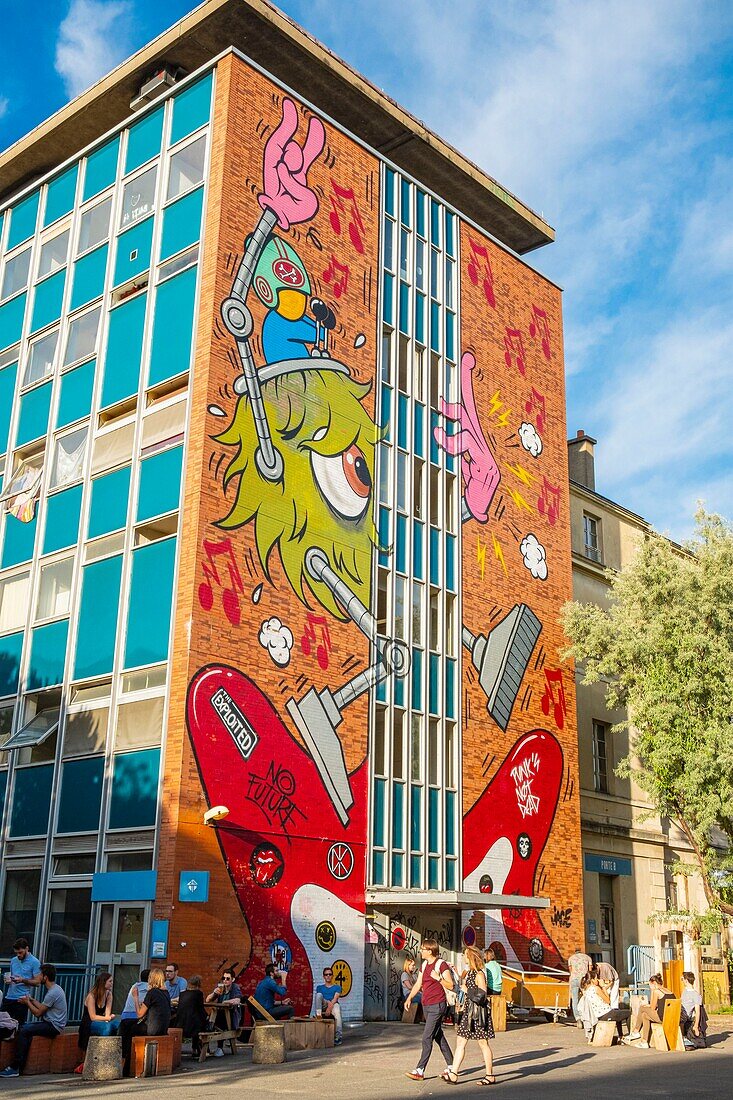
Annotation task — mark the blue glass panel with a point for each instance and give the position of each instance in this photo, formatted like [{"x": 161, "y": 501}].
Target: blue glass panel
[
  {"x": 108, "y": 510},
  {"x": 160, "y": 484},
  {"x": 101, "y": 168},
  {"x": 81, "y": 795},
  {"x": 420, "y": 318},
  {"x": 378, "y": 868},
  {"x": 23, "y": 219},
  {"x": 418, "y": 442},
  {"x": 47, "y": 301},
  {"x": 173, "y": 327},
  {"x": 418, "y": 567},
  {"x": 10, "y": 649},
  {"x": 386, "y": 414},
  {"x": 434, "y": 448},
  {"x": 404, "y": 307},
  {"x": 31, "y": 801},
  {"x": 4, "y": 773},
  {"x": 378, "y": 822},
  {"x": 8, "y": 376},
  {"x": 48, "y": 655},
  {"x": 449, "y": 233},
  {"x": 405, "y": 202},
  {"x": 151, "y": 597},
  {"x": 450, "y": 688},
  {"x": 434, "y": 222},
  {"x": 134, "y": 789},
  {"x": 398, "y": 869},
  {"x": 434, "y": 682},
  {"x": 133, "y": 251},
  {"x": 62, "y": 519},
  {"x": 19, "y": 540},
  {"x": 433, "y": 873},
  {"x": 124, "y": 350},
  {"x": 420, "y": 216},
  {"x": 77, "y": 387},
  {"x": 182, "y": 223},
  {"x": 450, "y": 874},
  {"x": 389, "y": 190},
  {"x": 417, "y": 679},
  {"x": 434, "y": 555},
  {"x": 384, "y": 534},
  {"x": 399, "y": 691},
  {"x": 89, "y": 275},
  {"x": 450, "y": 336},
  {"x": 34, "y": 411},
  {"x": 398, "y": 815},
  {"x": 450, "y": 823},
  {"x": 433, "y": 808},
  {"x": 143, "y": 140},
  {"x": 415, "y": 871},
  {"x": 450, "y": 562},
  {"x": 434, "y": 326},
  {"x": 11, "y": 320},
  {"x": 382, "y": 691},
  {"x": 191, "y": 109},
  {"x": 100, "y": 596},
  {"x": 60, "y": 195},
  {"x": 416, "y": 819},
  {"x": 401, "y": 544},
  {"x": 387, "y": 293},
  {"x": 403, "y": 412}
]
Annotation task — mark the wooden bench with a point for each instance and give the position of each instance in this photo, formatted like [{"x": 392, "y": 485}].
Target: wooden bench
[
  {"x": 166, "y": 1048},
  {"x": 498, "y": 1012},
  {"x": 258, "y": 1011},
  {"x": 604, "y": 1033},
  {"x": 309, "y": 1032},
  {"x": 227, "y": 1035}
]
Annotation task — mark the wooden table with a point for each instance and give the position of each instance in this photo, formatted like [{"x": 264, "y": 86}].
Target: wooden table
[{"x": 229, "y": 1035}]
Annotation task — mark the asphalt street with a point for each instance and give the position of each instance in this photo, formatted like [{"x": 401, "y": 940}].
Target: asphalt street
[{"x": 552, "y": 1062}]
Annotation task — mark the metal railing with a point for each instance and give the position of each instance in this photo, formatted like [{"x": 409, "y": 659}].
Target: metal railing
[
  {"x": 640, "y": 963},
  {"x": 75, "y": 979}
]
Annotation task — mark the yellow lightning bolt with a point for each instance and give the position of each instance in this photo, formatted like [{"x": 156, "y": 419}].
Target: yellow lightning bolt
[
  {"x": 481, "y": 555},
  {"x": 499, "y": 554},
  {"x": 495, "y": 403},
  {"x": 524, "y": 475},
  {"x": 519, "y": 499},
  {"x": 504, "y": 418}
]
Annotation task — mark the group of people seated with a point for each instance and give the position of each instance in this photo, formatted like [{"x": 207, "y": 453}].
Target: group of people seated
[
  {"x": 693, "y": 1017},
  {"x": 17, "y": 1003}
]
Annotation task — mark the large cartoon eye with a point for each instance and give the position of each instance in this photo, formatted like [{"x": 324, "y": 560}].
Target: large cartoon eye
[{"x": 344, "y": 480}]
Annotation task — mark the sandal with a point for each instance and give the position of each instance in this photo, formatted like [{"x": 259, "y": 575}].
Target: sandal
[
  {"x": 489, "y": 1079},
  {"x": 449, "y": 1077}
]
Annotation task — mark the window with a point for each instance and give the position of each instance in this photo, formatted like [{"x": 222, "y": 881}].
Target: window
[
  {"x": 139, "y": 724},
  {"x": 186, "y": 168},
  {"x": 130, "y": 861},
  {"x": 134, "y": 800},
  {"x": 113, "y": 448},
  {"x": 41, "y": 358},
  {"x": 85, "y": 730},
  {"x": 80, "y": 799},
  {"x": 82, "y": 339},
  {"x": 68, "y": 930},
  {"x": 591, "y": 537},
  {"x": 600, "y": 759},
  {"x": 54, "y": 254},
  {"x": 54, "y": 589},
  {"x": 74, "y": 865},
  {"x": 68, "y": 459},
  {"x": 15, "y": 277},
  {"x": 138, "y": 197},
  {"x": 13, "y": 602},
  {"x": 673, "y": 902},
  {"x": 178, "y": 263},
  {"x": 94, "y": 226},
  {"x": 23, "y": 487},
  {"x": 20, "y": 907}
]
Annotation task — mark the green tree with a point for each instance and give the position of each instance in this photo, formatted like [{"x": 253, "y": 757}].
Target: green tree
[{"x": 664, "y": 649}]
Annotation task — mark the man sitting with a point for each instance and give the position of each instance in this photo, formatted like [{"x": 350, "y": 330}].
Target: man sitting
[
  {"x": 173, "y": 983},
  {"x": 129, "y": 1012},
  {"x": 228, "y": 994},
  {"x": 268, "y": 989},
  {"x": 51, "y": 1019},
  {"x": 327, "y": 1002},
  {"x": 693, "y": 1018}
]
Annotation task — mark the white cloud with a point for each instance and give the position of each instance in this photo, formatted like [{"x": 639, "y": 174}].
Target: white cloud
[
  {"x": 277, "y": 640},
  {"x": 534, "y": 556},
  {"x": 92, "y": 39}
]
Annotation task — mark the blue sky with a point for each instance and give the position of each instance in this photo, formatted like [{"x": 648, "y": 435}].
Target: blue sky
[{"x": 613, "y": 119}]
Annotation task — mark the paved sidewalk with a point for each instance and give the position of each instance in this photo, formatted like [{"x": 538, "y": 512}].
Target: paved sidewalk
[{"x": 554, "y": 1062}]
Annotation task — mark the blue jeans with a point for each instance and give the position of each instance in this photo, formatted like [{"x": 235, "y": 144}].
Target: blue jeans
[
  {"x": 105, "y": 1027},
  {"x": 25, "y": 1036},
  {"x": 575, "y": 995}
]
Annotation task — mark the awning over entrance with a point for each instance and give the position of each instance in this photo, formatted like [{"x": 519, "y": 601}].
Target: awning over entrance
[{"x": 452, "y": 899}]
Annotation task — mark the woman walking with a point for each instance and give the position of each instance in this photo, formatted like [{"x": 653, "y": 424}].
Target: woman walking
[{"x": 475, "y": 1019}]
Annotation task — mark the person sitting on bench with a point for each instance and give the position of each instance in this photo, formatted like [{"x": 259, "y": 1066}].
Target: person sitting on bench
[
  {"x": 51, "y": 1016},
  {"x": 268, "y": 989},
  {"x": 653, "y": 1013},
  {"x": 227, "y": 994},
  {"x": 153, "y": 1016},
  {"x": 192, "y": 1016},
  {"x": 327, "y": 1002},
  {"x": 693, "y": 1018}
]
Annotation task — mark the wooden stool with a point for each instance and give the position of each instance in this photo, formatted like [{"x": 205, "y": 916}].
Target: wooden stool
[
  {"x": 177, "y": 1035},
  {"x": 309, "y": 1033},
  {"x": 164, "y": 1063},
  {"x": 604, "y": 1033},
  {"x": 268, "y": 1045},
  {"x": 498, "y": 1012},
  {"x": 103, "y": 1060},
  {"x": 65, "y": 1053}
]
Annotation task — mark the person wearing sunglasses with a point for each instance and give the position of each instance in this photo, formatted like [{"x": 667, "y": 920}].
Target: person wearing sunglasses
[{"x": 327, "y": 1002}]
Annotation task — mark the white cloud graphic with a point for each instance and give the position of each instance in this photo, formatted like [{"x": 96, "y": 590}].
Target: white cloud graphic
[
  {"x": 277, "y": 640},
  {"x": 534, "y": 556},
  {"x": 530, "y": 439}
]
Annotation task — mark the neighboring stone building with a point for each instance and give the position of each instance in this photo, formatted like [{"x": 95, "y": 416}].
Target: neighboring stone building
[{"x": 629, "y": 856}]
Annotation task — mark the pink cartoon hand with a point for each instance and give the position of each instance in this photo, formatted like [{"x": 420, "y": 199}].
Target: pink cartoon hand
[
  {"x": 285, "y": 166},
  {"x": 480, "y": 472}
]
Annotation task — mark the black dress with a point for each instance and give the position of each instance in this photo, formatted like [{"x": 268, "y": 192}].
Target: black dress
[
  {"x": 470, "y": 1027},
  {"x": 192, "y": 1016},
  {"x": 85, "y": 1027}
]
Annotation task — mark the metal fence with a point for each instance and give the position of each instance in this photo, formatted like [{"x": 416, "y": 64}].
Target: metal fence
[
  {"x": 74, "y": 979},
  {"x": 641, "y": 964}
]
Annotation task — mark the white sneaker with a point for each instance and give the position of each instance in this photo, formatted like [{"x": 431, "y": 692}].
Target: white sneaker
[
  {"x": 219, "y": 1053},
  {"x": 634, "y": 1035},
  {"x": 643, "y": 1045}
]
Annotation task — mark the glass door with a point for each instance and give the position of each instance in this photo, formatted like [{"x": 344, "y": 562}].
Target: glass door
[{"x": 123, "y": 931}]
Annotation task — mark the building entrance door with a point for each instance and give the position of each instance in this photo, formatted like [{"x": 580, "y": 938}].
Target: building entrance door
[
  {"x": 123, "y": 933},
  {"x": 608, "y": 931}
]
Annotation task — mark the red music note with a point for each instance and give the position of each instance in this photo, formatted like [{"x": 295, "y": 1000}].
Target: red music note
[
  {"x": 308, "y": 640},
  {"x": 230, "y": 595},
  {"x": 338, "y": 274},
  {"x": 549, "y": 501},
  {"x": 536, "y": 404},
  {"x": 515, "y": 350},
  {"x": 537, "y": 325},
  {"x": 356, "y": 225},
  {"x": 480, "y": 252},
  {"x": 553, "y": 676}
]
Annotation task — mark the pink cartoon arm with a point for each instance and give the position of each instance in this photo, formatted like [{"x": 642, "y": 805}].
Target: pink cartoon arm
[
  {"x": 478, "y": 465},
  {"x": 285, "y": 167}
]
